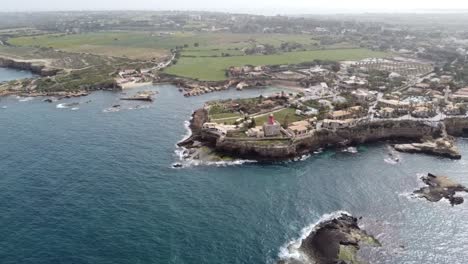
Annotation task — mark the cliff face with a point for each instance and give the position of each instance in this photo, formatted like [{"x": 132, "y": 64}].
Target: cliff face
[
  {"x": 199, "y": 117},
  {"x": 456, "y": 126},
  {"x": 410, "y": 130},
  {"x": 28, "y": 66},
  {"x": 249, "y": 149}
]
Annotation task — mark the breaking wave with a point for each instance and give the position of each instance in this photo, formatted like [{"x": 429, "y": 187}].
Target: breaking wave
[
  {"x": 25, "y": 99},
  {"x": 291, "y": 250},
  {"x": 62, "y": 106}
]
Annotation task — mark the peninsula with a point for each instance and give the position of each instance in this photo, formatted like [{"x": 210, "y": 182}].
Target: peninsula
[{"x": 289, "y": 125}]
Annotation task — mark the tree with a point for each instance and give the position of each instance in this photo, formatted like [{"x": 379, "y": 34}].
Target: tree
[
  {"x": 196, "y": 44},
  {"x": 285, "y": 123},
  {"x": 252, "y": 123}
]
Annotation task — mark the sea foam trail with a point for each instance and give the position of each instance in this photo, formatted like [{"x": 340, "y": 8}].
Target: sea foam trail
[{"x": 291, "y": 250}]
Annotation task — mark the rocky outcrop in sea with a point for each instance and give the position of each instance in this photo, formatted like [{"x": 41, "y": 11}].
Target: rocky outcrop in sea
[
  {"x": 443, "y": 147},
  {"x": 332, "y": 241},
  {"x": 441, "y": 187}
]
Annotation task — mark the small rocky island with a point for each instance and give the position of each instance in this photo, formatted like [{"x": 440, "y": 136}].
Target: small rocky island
[
  {"x": 334, "y": 241},
  {"x": 439, "y": 187}
]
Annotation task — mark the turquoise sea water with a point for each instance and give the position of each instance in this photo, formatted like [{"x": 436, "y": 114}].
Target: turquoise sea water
[{"x": 87, "y": 186}]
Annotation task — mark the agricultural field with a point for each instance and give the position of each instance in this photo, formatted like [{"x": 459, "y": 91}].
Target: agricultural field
[
  {"x": 148, "y": 45},
  {"x": 213, "y": 68},
  {"x": 203, "y": 55}
]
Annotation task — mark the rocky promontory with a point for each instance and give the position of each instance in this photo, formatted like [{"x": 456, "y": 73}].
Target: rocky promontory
[
  {"x": 334, "y": 241},
  {"x": 443, "y": 147},
  {"x": 439, "y": 187},
  {"x": 31, "y": 66}
]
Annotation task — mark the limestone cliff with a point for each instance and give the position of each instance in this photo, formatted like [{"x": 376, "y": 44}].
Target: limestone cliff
[
  {"x": 39, "y": 69},
  {"x": 366, "y": 132},
  {"x": 199, "y": 117}
]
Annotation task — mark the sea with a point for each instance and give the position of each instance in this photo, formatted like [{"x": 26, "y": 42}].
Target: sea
[{"x": 86, "y": 183}]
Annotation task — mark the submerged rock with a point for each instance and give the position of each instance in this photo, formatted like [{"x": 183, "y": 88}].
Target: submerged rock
[
  {"x": 440, "y": 187},
  {"x": 443, "y": 147}
]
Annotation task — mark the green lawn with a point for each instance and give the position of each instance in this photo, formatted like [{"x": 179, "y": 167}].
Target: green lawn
[
  {"x": 213, "y": 69},
  {"x": 280, "y": 116}
]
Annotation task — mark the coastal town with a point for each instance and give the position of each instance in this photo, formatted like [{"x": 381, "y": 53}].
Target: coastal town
[{"x": 324, "y": 104}]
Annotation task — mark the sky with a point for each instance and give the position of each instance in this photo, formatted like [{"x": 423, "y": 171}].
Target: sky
[{"x": 248, "y": 6}]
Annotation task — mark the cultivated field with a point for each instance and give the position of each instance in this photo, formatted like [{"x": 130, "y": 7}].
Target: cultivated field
[
  {"x": 147, "y": 45},
  {"x": 202, "y": 54},
  {"x": 213, "y": 68}
]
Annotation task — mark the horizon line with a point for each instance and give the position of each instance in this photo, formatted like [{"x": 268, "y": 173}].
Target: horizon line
[{"x": 254, "y": 11}]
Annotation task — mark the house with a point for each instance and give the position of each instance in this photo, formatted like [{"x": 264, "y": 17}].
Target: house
[
  {"x": 363, "y": 95},
  {"x": 340, "y": 115},
  {"x": 395, "y": 104},
  {"x": 353, "y": 82},
  {"x": 445, "y": 79},
  {"x": 423, "y": 112},
  {"x": 387, "y": 112},
  {"x": 348, "y": 113},
  {"x": 453, "y": 109},
  {"x": 311, "y": 111},
  {"x": 461, "y": 95},
  {"x": 394, "y": 75},
  {"x": 338, "y": 124},
  {"x": 299, "y": 128},
  {"x": 255, "y": 132},
  {"x": 422, "y": 85}
]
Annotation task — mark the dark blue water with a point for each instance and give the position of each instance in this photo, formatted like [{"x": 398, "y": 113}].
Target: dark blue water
[{"x": 92, "y": 187}]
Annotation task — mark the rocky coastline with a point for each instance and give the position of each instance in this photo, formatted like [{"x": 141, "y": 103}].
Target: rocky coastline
[
  {"x": 404, "y": 131},
  {"x": 35, "y": 68}
]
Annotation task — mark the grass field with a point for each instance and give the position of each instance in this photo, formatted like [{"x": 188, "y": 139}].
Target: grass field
[
  {"x": 213, "y": 69},
  {"x": 145, "y": 45}
]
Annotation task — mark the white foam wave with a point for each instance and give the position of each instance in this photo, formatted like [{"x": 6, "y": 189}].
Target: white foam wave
[
  {"x": 318, "y": 151},
  {"x": 25, "y": 99},
  {"x": 111, "y": 110},
  {"x": 62, "y": 106},
  {"x": 291, "y": 250},
  {"x": 187, "y": 162},
  {"x": 352, "y": 150},
  {"x": 75, "y": 108},
  {"x": 390, "y": 161},
  {"x": 187, "y": 129}
]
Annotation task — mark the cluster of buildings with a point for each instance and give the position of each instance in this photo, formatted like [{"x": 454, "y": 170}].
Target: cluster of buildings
[{"x": 273, "y": 129}]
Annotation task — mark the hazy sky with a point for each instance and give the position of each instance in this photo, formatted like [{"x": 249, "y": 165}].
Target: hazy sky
[{"x": 264, "y": 6}]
